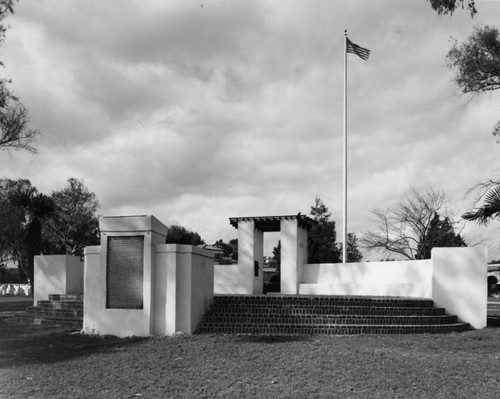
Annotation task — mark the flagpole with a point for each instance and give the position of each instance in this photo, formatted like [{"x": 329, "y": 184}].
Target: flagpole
[{"x": 344, "y": 247}]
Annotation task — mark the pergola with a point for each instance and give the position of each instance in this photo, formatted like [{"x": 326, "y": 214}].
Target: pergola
[{"x": 293, "y": 236}]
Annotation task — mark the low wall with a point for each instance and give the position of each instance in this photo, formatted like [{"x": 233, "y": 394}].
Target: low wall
[
  {"x": 410, "y": 278},
  {"x": 57, "y": 274},
  {"x": 15, "y": 289},
  {"x": 454, "y": 278},
  {"x": 226, "y": 280}
]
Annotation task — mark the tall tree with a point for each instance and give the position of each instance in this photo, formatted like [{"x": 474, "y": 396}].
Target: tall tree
[
  {"x": 449, "y": 6},
  {"x": 226, "y": 248},
  {"x": 488, "y": 205},
  {"x": 11, "y": 217},
  {"x": 353, "y": 252},
  {"x": 477, "y": 66},
  {"x": 37, "y": 208},
  {"x": 234, "y": 245},
  {"x": 322, "y": 245},
  {"x": 15, "y": 133},
  {"x": 441, "y": 234},
  {"x": 404, "y": 229},
  {"x": 74, "y": 223},
  {"x": 277, "y": 256},
  {"x": 180, "y": 235},
  {"x": 477, "y": 61}
]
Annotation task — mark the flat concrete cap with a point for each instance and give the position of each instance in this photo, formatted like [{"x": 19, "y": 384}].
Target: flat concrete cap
[{"x": 127, "y": 224}]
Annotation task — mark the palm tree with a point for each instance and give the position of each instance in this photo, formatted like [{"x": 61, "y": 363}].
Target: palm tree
[
  {"x": 489, "y": 209},
  {"x": 37, "y": 208}
]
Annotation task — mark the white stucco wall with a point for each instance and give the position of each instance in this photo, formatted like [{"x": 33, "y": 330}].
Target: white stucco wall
[
  {"x": 97, "y": 319},
  {"x": 289, "y": 267},
  {"x": 57, "y": 274},
  {"x": 455, "y": 279},
  {"x": 227, "y": 280},
  {"x": 201, "y": 264},
  {"x": 120, "y": 322},
  {"x": 258, "y": 250},
  {"x": 246, "y": 256},
  {"x": 403, "y": 278},
  {"x": 459, "y": 283},
  {"x": 183, "y": 289},
  {"x": 177, "y": 286}
]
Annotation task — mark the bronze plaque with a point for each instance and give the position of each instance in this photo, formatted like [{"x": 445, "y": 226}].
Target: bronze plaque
[{"x": 125, "y": 272}]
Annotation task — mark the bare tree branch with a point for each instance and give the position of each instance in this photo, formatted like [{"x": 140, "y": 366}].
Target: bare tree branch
[{"x": 405, "y": 228}]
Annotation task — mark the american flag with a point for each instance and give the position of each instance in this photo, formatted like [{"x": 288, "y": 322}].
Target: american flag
[{"x": 359, "y": 51}]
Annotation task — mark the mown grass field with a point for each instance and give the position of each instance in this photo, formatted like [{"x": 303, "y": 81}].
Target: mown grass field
[{"x": 41, "y": 363}]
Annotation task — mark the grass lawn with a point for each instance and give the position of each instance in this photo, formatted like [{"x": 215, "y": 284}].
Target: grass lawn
[{"x": 40, "y": 363}]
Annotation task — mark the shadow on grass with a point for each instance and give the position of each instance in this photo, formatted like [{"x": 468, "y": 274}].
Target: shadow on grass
[
  {"x": 273, "y": 339},
  {"x": 493, "y": 321},
  {"x": 27, "y": 344}
]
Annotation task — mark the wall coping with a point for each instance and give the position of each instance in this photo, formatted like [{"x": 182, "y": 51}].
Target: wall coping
[
  {"x": 129, "y": 224},
  {"x": 181, "y": 248},
  {"x": 94, "y": 249}
]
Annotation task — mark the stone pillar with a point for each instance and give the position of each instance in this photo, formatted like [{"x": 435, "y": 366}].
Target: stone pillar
[
  {"x": 289, "y": 239},
  {"x": 250, "y": 250},
  {"x": 184, "y": 288},
  {"x": 258, "y": 275},
  {"x": 293, "y": 255}
]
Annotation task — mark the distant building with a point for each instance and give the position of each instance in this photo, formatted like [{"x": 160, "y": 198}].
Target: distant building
[{"x": 218, "y": 252}]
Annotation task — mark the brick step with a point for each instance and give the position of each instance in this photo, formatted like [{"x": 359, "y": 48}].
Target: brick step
[
  {"x": 272, "y": 310},
  {"x": 66, "y": 297},
  {"x": 288, "y": 300},
  {"x": 286, "y": 314},
  {"x": 14, "y": 306},
  {"x": 336, "y": 329},
  {"x": 60, "y": 305},
  {"x": 60, "y": 310},
  {"x": 34, "y": 310},
  {"x": 334, "y": 319},
  {"x": 47, "y": 319},
  {"x": 51, "y": 321}
]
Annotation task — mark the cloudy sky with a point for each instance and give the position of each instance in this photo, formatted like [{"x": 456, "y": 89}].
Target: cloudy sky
[{"x": 197, "y": 111}]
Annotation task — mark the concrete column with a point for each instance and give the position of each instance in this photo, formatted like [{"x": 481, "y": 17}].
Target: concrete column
[
  {"x": 302, "y": 254},
  {"x": 250, "y": 250},
  {"x": 289, "y": 256},
  {"x": 246, "y": 256},
  {"x": 258, "y": 250}
]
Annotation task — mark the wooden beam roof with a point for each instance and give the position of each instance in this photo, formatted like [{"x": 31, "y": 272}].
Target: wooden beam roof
[{"x": 273, "y": 223}]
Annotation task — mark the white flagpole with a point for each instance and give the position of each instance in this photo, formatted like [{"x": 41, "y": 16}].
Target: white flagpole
[{"x": 344, "y": 247}]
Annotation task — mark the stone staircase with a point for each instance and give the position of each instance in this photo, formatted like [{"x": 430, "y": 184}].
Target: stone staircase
[
  {"x": 280, "y": 314},
  {"x": 60, "y": 310}
]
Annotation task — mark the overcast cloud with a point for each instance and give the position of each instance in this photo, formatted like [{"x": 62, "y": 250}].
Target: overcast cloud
[{"x": 197, "y": 111}]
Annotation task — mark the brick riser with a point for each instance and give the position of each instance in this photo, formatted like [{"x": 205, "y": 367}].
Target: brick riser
[
  {"x": 334, "y": 319},
  {"x": 327, "y": 310},
  {"x": 346, "y": 329},
  {"x": 263, "y": 314},
  {"x": 60, "y": 310},
  {"x": 332, "y": 301}
]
